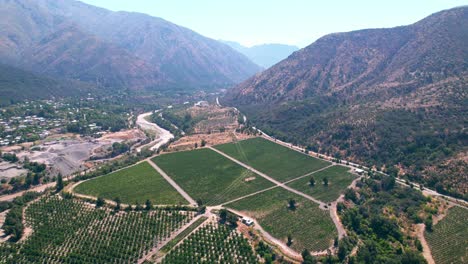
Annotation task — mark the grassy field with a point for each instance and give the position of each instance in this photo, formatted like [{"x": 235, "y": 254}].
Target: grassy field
[
  {"x": 449, "y": 240},
  {"x": 309, "y": 226},
  {"x": 206, "y": 175},
  {"x": 134, "y": 184},
  {"x": 272, "y": 159},
  {"x": 338, "y": 179}
]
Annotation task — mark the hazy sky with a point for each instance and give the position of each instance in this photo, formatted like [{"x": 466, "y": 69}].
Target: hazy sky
[{"x": 296, "y": 22}]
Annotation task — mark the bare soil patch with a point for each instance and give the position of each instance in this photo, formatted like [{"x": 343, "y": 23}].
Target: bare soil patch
[{"x": 188, "y": 142}]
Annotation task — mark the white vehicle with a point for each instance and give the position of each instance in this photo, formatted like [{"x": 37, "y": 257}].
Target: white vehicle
[{"x": 247, "y": 221}]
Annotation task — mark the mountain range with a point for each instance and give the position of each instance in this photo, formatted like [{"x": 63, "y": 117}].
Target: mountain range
[
  {"x": 73, "y": 40},
  {"x": 392, "y": 98},
  {"x": 265, "y": 55}
]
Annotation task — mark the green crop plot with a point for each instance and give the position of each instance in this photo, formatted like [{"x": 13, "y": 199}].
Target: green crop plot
[
  {"x": 212, "y": 243},
  {"x": 70, "y": 231},
  {"x": 338, "y": 180},
  {"x": 272, "y": 159},
  {"x": 309, "y": 226},
  {"x": 449, "y": 240},
  {"x": 133, "y": 184},
  {"x": 206, "y": 175}
]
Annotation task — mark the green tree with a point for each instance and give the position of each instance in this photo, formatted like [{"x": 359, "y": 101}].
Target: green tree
[
  {"x": 307, "y": 257},
  {"x": 428, "y": 223},
  {"x": 388, "y": 183},
  {"x": 148, "y": 205},
  {"x": 100, "y": 202},
  {"x": 117, "y": 204},
  {"x": 223, "y": 215},
  {"x": 292, "y": 204},
  {"x": 28, "y": 181},
  {"x": 138, "y": 206},
  {"x": 350, "y": 195},
  {"x": 412, "y": 257},
  {"x": 232, "y": 219},
  {"x": 36, "y": 179},
  {"x": 290, "y": 240},
  {"x": 312, "y": 182},
  {"x": 59, "y": 185},
  {"x": 325, "y": 181}
]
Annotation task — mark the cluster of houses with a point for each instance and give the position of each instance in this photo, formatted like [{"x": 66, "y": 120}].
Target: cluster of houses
[{"x": 18, "y": 129}]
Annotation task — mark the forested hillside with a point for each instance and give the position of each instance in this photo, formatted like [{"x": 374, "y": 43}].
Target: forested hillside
[{"x": 390, "y": 98}]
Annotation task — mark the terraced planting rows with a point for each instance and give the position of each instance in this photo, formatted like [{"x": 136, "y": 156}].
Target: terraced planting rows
[
  {"x": 338, "y": 180},
  {"x": 309, "y": 226},
  {"x": 206, "y": 175},
  {"x": 449, "y": 239},
  {"x": 212, "y": 243},
  {"x": 276, "y": 161},
  {"x": 70, "y": 231},
  {"x": 134, "y": 184}
]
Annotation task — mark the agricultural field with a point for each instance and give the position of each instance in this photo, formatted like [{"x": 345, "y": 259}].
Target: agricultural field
[
  {"x": 338, "y": 180},
  {"x": 212, "y": 243},
  {"x": 134, "y": 184},
  {"x": 71, "y": 231},
  {"x": 449, "y": 239},
  {"x": 166, "y": 248},
  {"x": 309, "y": 226},
  {"x": 272, "y": 159},
  {"x": 206, "y": 175}
]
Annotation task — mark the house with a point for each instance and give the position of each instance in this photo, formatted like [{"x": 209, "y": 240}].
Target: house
[
  {"x": 202, "y": 104},
  {"x": 247, "y": 221},
  {"x": 359, "y": 171}
]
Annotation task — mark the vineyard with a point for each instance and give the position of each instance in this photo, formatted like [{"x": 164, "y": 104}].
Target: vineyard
[
  {"x": 310, "y": 227},
  {"x": 133, "y": 184},
  {"x": 212, "y": 243},
  {"x": 71, "y": 231},
  {"x": 338, "y": 180},
  {"x": 449, "y": 239},
  {"x": 209, "y": 176},
  {"x": 276, "y": 161}
]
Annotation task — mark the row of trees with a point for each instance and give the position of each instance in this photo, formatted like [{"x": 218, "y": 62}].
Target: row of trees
[
  {"x": 312, "y": 181},
  {"x": 93, "y": 235}
]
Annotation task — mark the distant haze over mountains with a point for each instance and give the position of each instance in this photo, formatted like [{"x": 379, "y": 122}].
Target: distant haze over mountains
[
  {"x": 70, "y": 39},
  {"x": 265, "y": 55}
]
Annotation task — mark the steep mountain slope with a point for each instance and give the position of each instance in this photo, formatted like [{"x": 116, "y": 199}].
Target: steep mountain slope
[
  {"x": 386, "y": 97},
  {"x": 77, "y": 55},
  {"x": 265, "y": 55},
  {"x": 17, "y": 85},
  {"x": 130, "y": 50}
]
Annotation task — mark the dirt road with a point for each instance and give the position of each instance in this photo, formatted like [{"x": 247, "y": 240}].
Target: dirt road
[
  {"x": 40, "y": 188},
  {"x": 173, "y": 183},
  {"x": 282, "y": 185},
  {"x": 266, "y": 236},
  {"x": 420, "y": 228},
  {"x": 456, "y": 201},
  {"x": 161, "y": 244}
]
